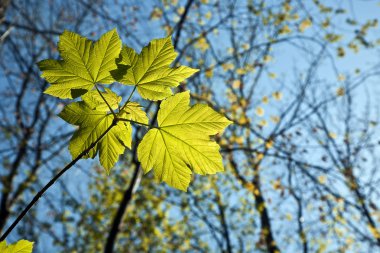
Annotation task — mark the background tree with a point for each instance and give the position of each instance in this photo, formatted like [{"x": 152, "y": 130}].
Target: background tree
[{"x": 301, "y": 158}]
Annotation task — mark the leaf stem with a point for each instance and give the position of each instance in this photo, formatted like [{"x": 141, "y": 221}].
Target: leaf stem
[
  {"x": 52, "y": 181},
  {"x": 132, "y": 121},
  {"x": 129, "y": 98},
  {"x": 113, "y": 113}
]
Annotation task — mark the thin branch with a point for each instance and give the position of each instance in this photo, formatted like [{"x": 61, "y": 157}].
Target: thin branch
[{"x": 52, "y": 181}]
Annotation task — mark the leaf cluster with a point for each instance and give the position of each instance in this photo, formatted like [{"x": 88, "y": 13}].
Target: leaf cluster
[{"x": 174, "y": 147}]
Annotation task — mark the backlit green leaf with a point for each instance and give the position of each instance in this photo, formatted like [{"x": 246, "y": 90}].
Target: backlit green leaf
[
  {"x": 22, "y": 246},
  {"x": 95, "y": 101},
  {"x": 151, "y": 71},
  {"x": 83, "y": 64},
  {"x": 181, "y": 142},
  {"x": 133, "y": 111},
  {"x": 92, "y": 124}
]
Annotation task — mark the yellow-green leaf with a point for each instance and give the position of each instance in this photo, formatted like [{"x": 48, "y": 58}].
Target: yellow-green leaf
[
  {"x": 181, "y": 142},
  {"x": 133, "y": 111},
  {"x": 83, "y": 64},
  {"x": 151, "y": 71},
  {"x": 92, "y": 124},
  {"x": 22, "y": 246},
  {"x": 95, "y": 101}
]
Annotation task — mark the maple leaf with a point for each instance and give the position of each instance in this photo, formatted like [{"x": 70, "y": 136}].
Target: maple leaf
[
  {"x": 150, "y": 70},
  {"x": 83, "y": 64},
  {"x": 93, "y": 120},
  {"x": 181, "y": 142},
  {"x": 22, "y": 246},
  {"x": 133, "y": 111}
]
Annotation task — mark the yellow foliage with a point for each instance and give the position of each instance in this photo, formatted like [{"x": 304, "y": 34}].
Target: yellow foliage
[
  {"x": 250, "y": 187},
  {"x": 275, "y": 119},
  {"x": 227, "y": 66},
  {"x": 269, "y": 144},
  {"x": 236, "y": 84},
  {"x": 240, "y": 71},
  {"x": 209, "y": 73},
  {"x": 181, "y": 10},
  {"x": 263, "y": 123},
  {"x": 332, "y": 135},
  {"x": 156, "y": 13},
  {"x": 260, "y": 111},
  {"x": 306, "y": 23},
  {"x": 208, "y": 15},
  {"x": 272, "y": 75},
  {"x": 259, "y": 157},
  {"x": 245, "y": 46},
  {"x": 374, "y": 232},
  {"x": 354, "y": 47},
  {"x": 267, "y": 58},
  {"x": 239, "y": 140},
  {"x": 202, "y": 44},
  {"x": 277, "y": 95},
  {"x": 285, "y": 30},
  {"x": 341, "y": 77},
  {"x": 322, "y": 179},
  {"x": 277, "y": 185},
  {"x": 341, "y": 52},
  {"x": 332, "y": 38}
]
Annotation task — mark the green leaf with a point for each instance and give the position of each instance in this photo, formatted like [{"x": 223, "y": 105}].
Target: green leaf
[
  {"x": 92, "y": 124},
  {"x": 3, "y": 246},
  {"x": 127, "y": 58},
  {"x": 133, "y": 111},
  {"x": 22, "y": 246},
  {"x": 151, "y": 71},
  {"x": 95, "y": 101},
  {"x": 83, "y": 64},
  {"x": 182, "y": 142}
]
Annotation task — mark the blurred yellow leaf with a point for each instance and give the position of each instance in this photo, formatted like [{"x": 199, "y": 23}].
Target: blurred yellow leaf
[
  {"x": 227, "y": 66},
  {"x": 277, "y": 95},
  {"x": 269, "y": 144},
  {"x": 306, "y": 23},
  {"x": 272, "y": 75},
  {"x": 202, "y": 44},
  {"x": 181, "y": 10},
  {"x": 275, "y": 119},
  {"x": 209, "y": 73},
  {"x": 263, "y": 123},
  {"x": 285, "y": 30},
  {"x": 332, "y": 135},
  {"x": 236, "y": 84},
  {"x": 245, "y": 46},
  {"x": 341, "y": 52},
  {"x": 332, "y": 38},
  {"x": 208, "y": 15},
  {"x": 240, "y": 71},
  {"x": 156, "y": 13},
  {"x": 322, "y": 179},
  {"x": 267, "y": 58},
  {"x": 341, "y": 77},
  {"x": 265, "y": 100},
  {"x": 260, "y": 111},
  {"x": 340, "y": 92}
]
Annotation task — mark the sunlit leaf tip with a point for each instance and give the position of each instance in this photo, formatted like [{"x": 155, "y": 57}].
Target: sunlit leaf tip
[
  {"x": 22, "y": 246},
  {"x": 83, "y": 64},
  {"x": 151, "y": 72},
  {"x": 181, "y": 143}
]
